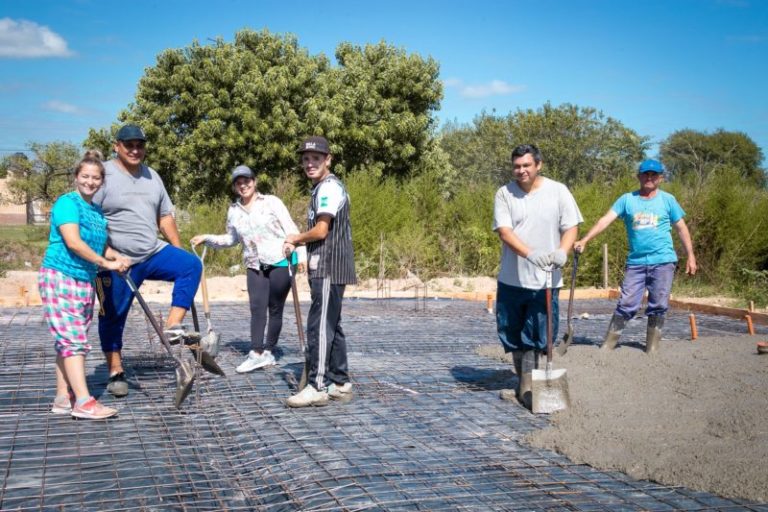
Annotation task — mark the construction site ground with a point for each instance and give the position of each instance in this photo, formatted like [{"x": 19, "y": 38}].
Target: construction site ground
[{"x": 425, "y": 431}]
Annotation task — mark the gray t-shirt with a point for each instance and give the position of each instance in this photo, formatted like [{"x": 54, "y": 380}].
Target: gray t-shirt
[
  {"x": 133, "y": 207},
  {"x": 538, "y": 219}
]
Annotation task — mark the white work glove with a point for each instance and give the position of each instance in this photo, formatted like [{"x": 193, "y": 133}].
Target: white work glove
[
  {"x": 539, "y": 258},
  {"x": 558, "y": 258}
]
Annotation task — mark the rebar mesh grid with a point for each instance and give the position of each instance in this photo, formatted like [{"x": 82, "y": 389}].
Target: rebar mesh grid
[{"x": 426, "y": 430}]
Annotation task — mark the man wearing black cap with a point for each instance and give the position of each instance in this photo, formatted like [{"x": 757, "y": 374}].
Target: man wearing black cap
[
  {"x": 331, "y": 267},
  {"x": 136, "y": 205}
]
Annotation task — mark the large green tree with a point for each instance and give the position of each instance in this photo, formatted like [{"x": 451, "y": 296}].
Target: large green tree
[
  {"x": 207, "y": 108},
  {"x": 695, "y": 157},
  {"x": 579, "y": 144}
]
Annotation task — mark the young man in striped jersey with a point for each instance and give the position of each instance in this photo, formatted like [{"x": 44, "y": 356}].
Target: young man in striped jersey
[{"x": 331, "y": 267}]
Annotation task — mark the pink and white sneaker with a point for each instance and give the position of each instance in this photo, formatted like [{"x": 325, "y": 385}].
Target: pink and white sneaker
[
  {"x": 63, "y": 404},
  {"x": 93, "y": 410}
]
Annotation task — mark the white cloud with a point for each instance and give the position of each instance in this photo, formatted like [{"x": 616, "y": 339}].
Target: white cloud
[
  {"x": 492, "y": 88},
  {"x": 60, "y": 106},
  {"x": 26, "y": 39}
]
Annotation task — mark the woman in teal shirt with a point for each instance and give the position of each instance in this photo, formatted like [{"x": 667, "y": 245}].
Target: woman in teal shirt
[{"x": 77, "y": 240}]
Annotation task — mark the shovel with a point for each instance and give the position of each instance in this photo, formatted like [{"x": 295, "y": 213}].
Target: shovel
[
  {"x": 549, "y": 389},
  {"x": 210, "y": 341},
  {"x": 562, "y": 348},
  {"x": 299, "y": 326},
  {"x": 203, "y": 358},
  {"x": 185, "y": 373}
]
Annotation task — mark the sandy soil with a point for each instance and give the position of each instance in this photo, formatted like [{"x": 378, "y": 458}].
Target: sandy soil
[
  {"x": 23, "y": 284},
  {"x": 695, "y": 414},
  {"x": 234, "y": 288}
]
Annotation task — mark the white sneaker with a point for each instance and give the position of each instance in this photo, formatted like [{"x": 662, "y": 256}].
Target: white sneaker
[
  {"x": 342, "y": 392},
  {"x": 255, "y": 361},
  {"x": 308, "y": 396}
]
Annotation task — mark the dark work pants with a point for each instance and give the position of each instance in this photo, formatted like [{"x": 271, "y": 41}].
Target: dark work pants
[
  {"x": 267, "y": 291},
  {"x": 521, "y": 318},
  {"x": 326, "y": 344}
]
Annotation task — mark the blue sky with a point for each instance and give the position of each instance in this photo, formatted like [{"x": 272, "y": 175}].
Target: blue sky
[{"x": 655, "y": 65}]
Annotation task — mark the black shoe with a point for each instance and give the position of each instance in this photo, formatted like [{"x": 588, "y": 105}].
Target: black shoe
[{"x": 117, "y": 385}]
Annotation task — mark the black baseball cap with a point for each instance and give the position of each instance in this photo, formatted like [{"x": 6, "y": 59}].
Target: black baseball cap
[
  {"x": 130, "y": 132},
  {"x": 316, "y": 144}
]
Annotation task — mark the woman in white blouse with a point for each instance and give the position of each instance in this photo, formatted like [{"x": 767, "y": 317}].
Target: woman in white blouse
[{"x": 260, "y": 223}]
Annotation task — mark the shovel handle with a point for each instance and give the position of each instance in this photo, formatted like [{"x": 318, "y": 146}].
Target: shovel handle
[
  {"x": 203, "y": 282},
  {"x": 548, "y": 294},
  {"x": 149, "y": 315},
  {"x": 296, "y": 306},
  {"x": 573, "y": 287},
  {"x": 299, "y": 326}
]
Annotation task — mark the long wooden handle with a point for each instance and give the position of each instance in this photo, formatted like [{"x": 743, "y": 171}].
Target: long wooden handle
[
  {"x": 573, "y": 287},
  {"x": 150, "y": 316},
  {"x": 204, "y": 289},
  {"x": 549, "y": 323},
  {"x": 297, "y": 309}
]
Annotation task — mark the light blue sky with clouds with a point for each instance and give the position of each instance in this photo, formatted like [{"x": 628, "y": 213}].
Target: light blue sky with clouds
[{"x": 655, "y": 65}]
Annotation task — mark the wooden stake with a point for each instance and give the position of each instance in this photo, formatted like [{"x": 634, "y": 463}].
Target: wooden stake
[
  {"x": 605, "y": 266},
  {"x": 489, "y": 303},
  {"x": 694, "y": 331}
]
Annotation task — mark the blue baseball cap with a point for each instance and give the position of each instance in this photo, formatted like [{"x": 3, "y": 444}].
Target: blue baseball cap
[{"x": 651, "y": 166}]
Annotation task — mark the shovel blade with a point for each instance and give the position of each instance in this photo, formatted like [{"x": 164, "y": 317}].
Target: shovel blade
[
  {"x": 185, "y": 376},
  {"x": 562, "y": 348},
  {"x": 549, "y": 391},
  {"x": 208, "y": 363},
  {"x": 210, "y": 343}
]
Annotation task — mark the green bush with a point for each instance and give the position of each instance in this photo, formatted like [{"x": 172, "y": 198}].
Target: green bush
[
  {"x": 419, "y": 226},
  {"x": 383, "y": 225},
  {"x": 210, "y": 218},
  {"x": 594, "y": 200}
]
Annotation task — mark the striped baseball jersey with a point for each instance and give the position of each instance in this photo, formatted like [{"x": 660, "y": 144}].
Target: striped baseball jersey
[{"x": 332, "y": 257}]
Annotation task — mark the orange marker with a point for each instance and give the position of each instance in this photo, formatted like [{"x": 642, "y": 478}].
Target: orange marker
[
  {"x": 750, "y": 327},
  {"x": 694, "y": 332}
]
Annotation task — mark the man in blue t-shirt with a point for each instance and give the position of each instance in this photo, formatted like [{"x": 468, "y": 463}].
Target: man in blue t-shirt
[{"x": 648, "y": 214}]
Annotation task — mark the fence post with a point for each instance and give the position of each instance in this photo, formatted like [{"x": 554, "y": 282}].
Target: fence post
[{"x": 605, "y": 266}]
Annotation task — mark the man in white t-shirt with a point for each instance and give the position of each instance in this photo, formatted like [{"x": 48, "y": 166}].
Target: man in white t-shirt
[{"x": 537, "y": 221}]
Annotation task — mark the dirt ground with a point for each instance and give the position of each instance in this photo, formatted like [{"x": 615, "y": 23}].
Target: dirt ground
[
  {"x": 234, "y": 288},
  {"x": 18, "y": 283},
  {"x": 695, "y": 414}
]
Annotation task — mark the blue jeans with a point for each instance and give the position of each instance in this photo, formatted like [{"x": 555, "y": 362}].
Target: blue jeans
[
  {"x": 637, "y": 278},
  {"x": 169, "y": 264},
  {"x": 521, "y": 317}
]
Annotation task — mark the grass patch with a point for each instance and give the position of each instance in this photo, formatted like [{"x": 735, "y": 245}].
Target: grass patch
[
  {"x": 22, "y": 247},
  {"x": 24, "y": 233}
]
